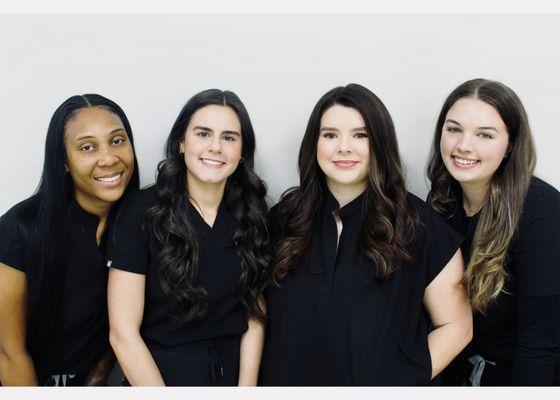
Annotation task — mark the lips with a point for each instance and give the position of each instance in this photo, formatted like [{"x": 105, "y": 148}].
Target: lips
[
  {"x": 212, "y": 163},
  {"x": 345, "y": 163},
  {"x": 464, "y": 162},
  {"x": 111, "y": 179}
]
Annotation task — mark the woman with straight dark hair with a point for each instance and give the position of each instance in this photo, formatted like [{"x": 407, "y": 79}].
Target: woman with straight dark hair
[
  {"x": 188, "y": 256},
  {"x": 481, "y": 168},
  {"x": 363, "y": 270},
  {"x": 53, "y": 279}
]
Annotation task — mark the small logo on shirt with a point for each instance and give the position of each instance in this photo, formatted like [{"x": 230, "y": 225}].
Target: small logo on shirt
[{"x": 109, "y": 263}]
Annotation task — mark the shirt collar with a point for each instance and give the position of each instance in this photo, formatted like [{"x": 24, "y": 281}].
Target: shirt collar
[
  {"x": 79, "y": 215},
  {"x": 354, "y": 208}
]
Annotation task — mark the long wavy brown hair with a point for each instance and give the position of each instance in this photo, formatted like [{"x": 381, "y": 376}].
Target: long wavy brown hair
[
  {"x": 390, "y": 217},
  {"x": 485, "y": 275}
]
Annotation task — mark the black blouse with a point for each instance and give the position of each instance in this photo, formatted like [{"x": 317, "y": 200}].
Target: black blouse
[
  {"x": 81, "y": 335},
  {"x": 331, "y": 323},
  {"x": 134, "y": 248},
  {"x": 520, "y": 332}
]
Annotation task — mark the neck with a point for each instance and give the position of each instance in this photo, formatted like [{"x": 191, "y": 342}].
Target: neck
[
  {"x": 101, "y": 209},
  {"x": 344, "y": 194},
  {"x": 206, "y": 197},
  {"x": 474, "y": 196}
]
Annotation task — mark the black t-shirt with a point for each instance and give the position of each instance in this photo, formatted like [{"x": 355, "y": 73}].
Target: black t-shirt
[
  {"x": 134, "y": 248},
  {"x": 331, "y": 323},
  {"x": 81, "y": 333},
  {"x": 520, "y": 330}
]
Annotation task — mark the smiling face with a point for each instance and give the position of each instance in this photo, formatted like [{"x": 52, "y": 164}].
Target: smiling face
[
  {"x": 343, "y": 149},
  {"x": 474, "y": 142},
  {"x": 212, "y": 145},
  {"x": 100, "y": 158}
]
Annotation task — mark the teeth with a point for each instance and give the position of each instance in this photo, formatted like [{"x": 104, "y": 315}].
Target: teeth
[
  {"x": 211, "y": 162},
  {"x": 109, "y": 179},
  {"x": 462, "y": 161}
]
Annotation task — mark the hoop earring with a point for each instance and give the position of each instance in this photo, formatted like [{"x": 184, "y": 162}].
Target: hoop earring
[{"x": 240, "y": 160}]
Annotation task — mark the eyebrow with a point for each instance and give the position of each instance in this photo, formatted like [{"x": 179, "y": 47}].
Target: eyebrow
[
  {"x": 93, "y": 137},
  {"x": 326, "y": 128},
  {"x": 206, "y": 129},
  {"x": 480, "y": 127}
]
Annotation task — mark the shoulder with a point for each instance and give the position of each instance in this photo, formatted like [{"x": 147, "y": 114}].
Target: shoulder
[
  {"x": 23, "y": 213},
  {"x": 427, "y": 216},
  {"x": 542, "y": 202},
  {"x": 139, "y": 201},
  {"x": 541, "y": 197}
]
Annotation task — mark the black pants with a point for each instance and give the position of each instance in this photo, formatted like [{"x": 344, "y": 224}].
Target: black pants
[{"x": 207, "y": 363}]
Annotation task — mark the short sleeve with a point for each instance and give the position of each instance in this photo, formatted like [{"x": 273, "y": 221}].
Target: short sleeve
[
  {"x": 441, "y": 240},
  {"x": 128, "y": 248},
  {"x": 535, "y": 255},
  {"x": 12, "y": 248}
]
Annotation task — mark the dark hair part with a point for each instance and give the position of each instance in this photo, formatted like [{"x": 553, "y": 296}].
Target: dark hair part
[
  {"x": 390, "y": 217},
  {"x": 485, "y": 274},
  {"x": 244, "y": 197},
  {"x": 46, "y": 219}
]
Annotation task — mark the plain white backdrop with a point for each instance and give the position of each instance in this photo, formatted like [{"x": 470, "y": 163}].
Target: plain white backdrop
[{"x": 279, "y": 65}]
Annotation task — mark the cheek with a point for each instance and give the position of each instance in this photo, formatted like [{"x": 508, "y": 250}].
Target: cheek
[
  {"x": 235, "y": 150},
  {"x": 78, "y": 165},
  {"x": 324, "y": 150},
  {"x": 495, "y": 154},
  {"x": 126, "y": 154},
  {"x": 445, "y": 145}
]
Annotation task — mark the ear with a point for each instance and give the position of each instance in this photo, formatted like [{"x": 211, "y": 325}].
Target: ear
[{"x": 182, "y": 147}]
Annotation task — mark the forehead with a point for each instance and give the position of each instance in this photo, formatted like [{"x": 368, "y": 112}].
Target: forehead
[
  {"x": 216, "y": 117},
  {"x": 472, "y": 111},
  {"x": 92, "y": 121},
  {"x": 342, "y": 117}
]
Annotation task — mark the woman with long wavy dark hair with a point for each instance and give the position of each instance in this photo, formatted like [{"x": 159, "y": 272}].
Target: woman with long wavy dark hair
[
  {"x": 188, "y": 256},
  {"x": 481, "y": 170},
  {"x": 53, "y": 279},
  {"x": 363, "y": 269}
]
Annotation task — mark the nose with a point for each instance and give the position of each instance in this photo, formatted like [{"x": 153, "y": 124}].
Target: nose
[
  {"x": 107, "y": 157},
  {"x": 344, "y": 144},
  {"x": 464, "y": 143},
  {"x": 216, "y": 144}
]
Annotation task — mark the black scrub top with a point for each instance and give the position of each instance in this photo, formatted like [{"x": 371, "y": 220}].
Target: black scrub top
[
  {"x": 134, "y": 248},
  {"x": 331, "y": 323},
  {"x": 520, "y": 331},
  {"x": 81, "y": 334}
]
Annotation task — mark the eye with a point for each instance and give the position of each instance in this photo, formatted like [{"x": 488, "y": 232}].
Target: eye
[
  {"x": 361, "y": 135},
  {"x": 230, "y": 138},
  {"x": 453, "y": 129},
  {"x": 88, "y": 148},
  {"x": 484, "y": 135},
  {"x": 202, "y": 134},
  {"x": 118, "y": 140},
  {"x": 329, "y": 135}
]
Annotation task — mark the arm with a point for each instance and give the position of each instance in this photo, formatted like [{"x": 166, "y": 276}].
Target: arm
[
  {"x": 450, "y": 311},
  {"x": 16, "y": 366},
  {"x": 126, "y": 306},
  {"x": 538, "y": 338},
  {"x": 101, "y": 370},
  {"x": 250, "y": 352}
]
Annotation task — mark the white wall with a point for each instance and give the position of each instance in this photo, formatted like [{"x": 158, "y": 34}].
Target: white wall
[{"x": 279, "y": 65}]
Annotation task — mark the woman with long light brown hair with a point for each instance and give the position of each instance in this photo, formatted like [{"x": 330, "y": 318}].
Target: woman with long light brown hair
[{"x": 481, "y": 172}]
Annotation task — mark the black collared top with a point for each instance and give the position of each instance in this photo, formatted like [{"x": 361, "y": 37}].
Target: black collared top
[
  {"x": 81, "y": 333},
  {"x": 331, "y": 323},
  {"x": 520, "y": 331},
  {"x": 134, "y": 248}
]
